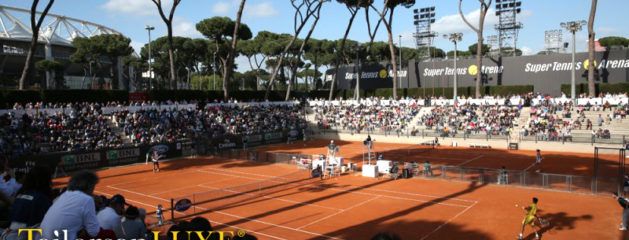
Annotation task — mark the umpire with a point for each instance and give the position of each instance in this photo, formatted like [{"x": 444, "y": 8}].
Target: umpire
[{"x": 624, "y": 203}]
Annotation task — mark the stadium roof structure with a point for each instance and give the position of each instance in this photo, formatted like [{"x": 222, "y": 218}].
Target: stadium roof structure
[{"x": 56, "y": 29}]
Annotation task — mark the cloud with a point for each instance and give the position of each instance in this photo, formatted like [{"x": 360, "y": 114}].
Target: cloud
[
  {"x": 184, "y": 28},
  {"x": 607, "y": 30},
  {"x": 454, "y": 23},
  {"x": 260, "y": 10},
  {"x": 221, "y": 8},
  {"x": 137, "y": 46},
  {"x": 526, "y": 50}
]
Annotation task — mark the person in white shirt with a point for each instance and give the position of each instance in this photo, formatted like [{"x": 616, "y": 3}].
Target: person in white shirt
[
  {"x": 109, "y": 217},
  {"x": 74, "y": 210}
]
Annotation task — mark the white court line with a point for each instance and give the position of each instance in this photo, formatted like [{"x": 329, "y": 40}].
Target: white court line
[
  {"x": 449, "y": 220},
  {"x": 231, "y": 215},
  {"x": 191, "y": 186},
  {"x": 532, "y": 165},
  {"x": 276, "y": 198},
  {"x": 371, "y": 194},
  {"x": 211, "y": 220},
  {"x": 479, "y": 156},
  {"x": 343, "y": 210},
  {"x": 232, "y": 171}
]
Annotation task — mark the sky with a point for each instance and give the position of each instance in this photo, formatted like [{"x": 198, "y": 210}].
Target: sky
[{"x": 131, "y": 16}]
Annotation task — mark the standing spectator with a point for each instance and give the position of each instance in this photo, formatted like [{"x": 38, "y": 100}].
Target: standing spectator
[
  {"x": 109, "y": 217},
  {"x": 427, "y": 169},
  {"x": 624, "y": 203},
  {"x": 503, "y": 176},
  {"x": 74, "y": 210},
  {"x": 538, "y": 159}
]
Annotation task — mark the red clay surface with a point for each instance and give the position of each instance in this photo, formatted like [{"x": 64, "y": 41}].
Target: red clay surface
[{"x": 354, "y": 207}]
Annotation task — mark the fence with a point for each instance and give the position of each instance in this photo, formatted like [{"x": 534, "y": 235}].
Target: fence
[
  {"x": 578, "y": 138},
  {"x": 549, "y": 181},
  {"x": 424, "y": 133}
]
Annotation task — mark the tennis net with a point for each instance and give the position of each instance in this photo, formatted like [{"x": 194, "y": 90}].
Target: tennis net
[{"x": 234, "y": 196}]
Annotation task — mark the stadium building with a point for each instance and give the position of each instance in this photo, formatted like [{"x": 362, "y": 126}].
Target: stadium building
[
  {"x": 55, "y": 43},
  {"x": 546, "y": 73}
]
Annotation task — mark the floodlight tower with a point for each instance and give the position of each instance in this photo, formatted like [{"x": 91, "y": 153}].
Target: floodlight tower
[
  {"x": 454, "y": 38},
  {"x": 424, "y": 17},
  {"x": 508, "y": 27},
  {"x": 573, "y": 27},
  {"x": 553, "y": 40}
]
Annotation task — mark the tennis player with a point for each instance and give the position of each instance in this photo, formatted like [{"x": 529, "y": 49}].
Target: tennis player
[
  {"x": 155, "y": 158},
  {"x": 530, "y": 217},
  {"x": 538, "y": 160}
]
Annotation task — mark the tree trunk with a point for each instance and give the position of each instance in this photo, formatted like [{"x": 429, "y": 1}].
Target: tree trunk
[
  {"x": 232, "y": 51},
  {"x": 393, "y": 54},
  {"x": 173, "y": 81},
  {"x": 35, "y": 26},
  {"x": 292, "y": 41},
  {"x": 339, "y": 54},
  {"x": 479, "y": 62},
  {"x": 592, "y": 66},
  {"x": 112, "y": 73}
]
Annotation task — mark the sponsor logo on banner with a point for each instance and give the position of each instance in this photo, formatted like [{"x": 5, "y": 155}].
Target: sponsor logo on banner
[
  {"x": 226, "y": 144},
  {"x": 293, "y": 135},
  {"x": 382, "y": 74},
  {"x": 273, "y": 137},
  {"x": 183, "y": 205},
  {"x": 161, "y": 149},
  {"x": 253, "y": 140},
  {"x": 123, "y": 153},
  {"x": 76, "y": 161},
  {"x": 122, "y": 156}
]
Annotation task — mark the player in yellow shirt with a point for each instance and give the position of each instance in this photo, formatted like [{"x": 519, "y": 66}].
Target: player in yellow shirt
[{"x": 530, "y": 217}]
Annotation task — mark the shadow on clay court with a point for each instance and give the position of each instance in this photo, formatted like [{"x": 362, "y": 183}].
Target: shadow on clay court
[
  {"x": 558, "y": 221},
  {"x": 367, "y": 229},
  {"x": 289, "y": 207}
]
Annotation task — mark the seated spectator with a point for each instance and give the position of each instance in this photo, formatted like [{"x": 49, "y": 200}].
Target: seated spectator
[
  {"x": 74, "y": 209},
  {"x": 32, "y": 201},
  {"x": 132, "y": 227},
  {"x": 109, "y": 217}
]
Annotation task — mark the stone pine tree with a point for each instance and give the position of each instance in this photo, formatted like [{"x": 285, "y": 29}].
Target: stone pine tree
[
  {"x": 169, "y": 25},
  {"x": 484, "y": 8},
  {"x": 387, "y": 12},
  {"x": 220, "y": 30},
  {"x": 35, "y": 26},
  {"x": 304, "y": 9}
]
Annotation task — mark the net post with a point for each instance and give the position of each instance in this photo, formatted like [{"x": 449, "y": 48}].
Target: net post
[{"x": 172, "y": 209}]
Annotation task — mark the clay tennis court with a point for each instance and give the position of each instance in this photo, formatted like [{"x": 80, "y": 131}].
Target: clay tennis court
[
  {"x": 276, "y": 201},
  {"x": 553, "y": 162}
]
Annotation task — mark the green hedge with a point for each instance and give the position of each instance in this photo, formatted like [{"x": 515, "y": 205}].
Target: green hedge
[
  {"x": 599, "y": 88},
  {"x": 83, "y": 95}
]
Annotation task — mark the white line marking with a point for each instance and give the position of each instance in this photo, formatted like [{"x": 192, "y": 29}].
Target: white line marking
[
  {"x": 213, "y": 221},
  {"x": 371, "y": 194},
  {"x": 231, "y": 215},
  {"x": 479, "y": 156},
  {"x": 533, "y": 164},
  {"x": 343, "y": 210},
  {"x": 276, "y": 198},
  {"x": 449, "y": 220}
]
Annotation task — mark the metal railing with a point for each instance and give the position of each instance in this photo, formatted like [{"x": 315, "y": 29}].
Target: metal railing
[
  {"x": 515, "y": 178},
  {"x": 578, "y": 138}
]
